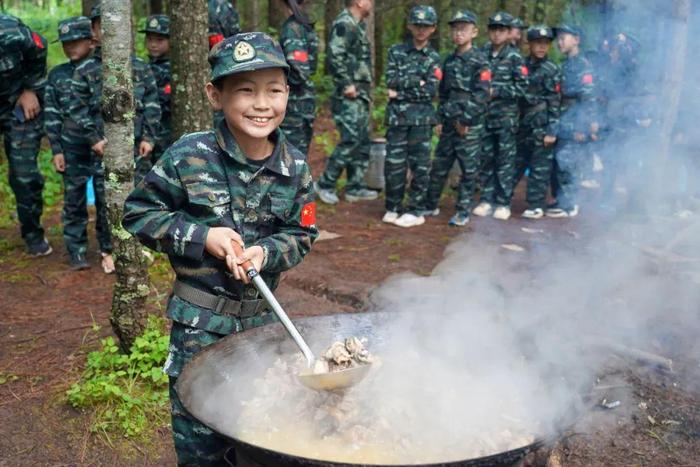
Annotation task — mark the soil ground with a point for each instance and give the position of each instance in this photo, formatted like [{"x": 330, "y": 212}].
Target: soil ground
[{"x": 49, "y": 315}]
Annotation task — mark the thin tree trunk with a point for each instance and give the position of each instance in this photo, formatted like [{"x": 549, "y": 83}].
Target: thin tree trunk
[
  {"x": 332, "y": 9},
  {"x": 131, "y": 288},
  {"x": 155, "y": 7},
  {"x": 190, "y": 69},
  {"x": 378, "y": 49},
  {"x": 540, "y": 11},
  {"x": 87, "y": 6},
  {"x": 252, "y": 15},
  {"x": 276, "y": 14}
]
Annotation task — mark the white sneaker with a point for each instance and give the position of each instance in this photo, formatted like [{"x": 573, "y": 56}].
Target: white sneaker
[
  {"x": 390, "y": 217},
  {"x": 409, "y": 220},
  {"x": 557, "y": 212},
  {"x": 434, "y": 212},
  {"x": 590, "y": 184},
  {"x": 483, "y": 209},
  {"x": 537, "y": 213},
  {"x": 502, "y": 213}
]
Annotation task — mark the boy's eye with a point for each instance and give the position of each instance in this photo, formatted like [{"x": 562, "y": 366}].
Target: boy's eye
[{"x": 244, "y": 89}]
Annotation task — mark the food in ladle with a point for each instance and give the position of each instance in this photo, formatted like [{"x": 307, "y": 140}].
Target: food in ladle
[{"x": 342, "y": 355}]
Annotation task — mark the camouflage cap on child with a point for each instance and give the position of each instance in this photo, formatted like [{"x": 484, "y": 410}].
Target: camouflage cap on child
[{"x": 245, "y": 52}]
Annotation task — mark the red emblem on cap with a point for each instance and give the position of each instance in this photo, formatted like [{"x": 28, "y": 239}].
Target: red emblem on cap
[
  {"x": 167, "y": 89},
  {"x": 587, "y": 79},
  {"x": 485, "y": 75},
  {"x": 308, "y": 215},
  {"x": 438, "y": 73},
  {"x": 37, "y": 40},
  {"x": 524, "y": 71},
  {"x": 215, "y": 39},
  {"x": 300, "y": 56}
]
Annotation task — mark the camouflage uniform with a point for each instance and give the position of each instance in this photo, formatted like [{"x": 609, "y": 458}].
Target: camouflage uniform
[
  {"x": 223, "y": 21},
  {"x": 508, "y": 85},
  {"x": 349, "y": 62},
  {"x": 66, "y": 138},
  {"x": 85, "y": 110},
  {"x": 22, "y": 67},
  {"x": 578, "y": 111},
  {"x": 410, "y": 116},
  {"x": 204, "y": 180},
  {"x": 300, "y": 44},
  {"x": 539, "y": 118},
  {"x": 464, "y": 93}
]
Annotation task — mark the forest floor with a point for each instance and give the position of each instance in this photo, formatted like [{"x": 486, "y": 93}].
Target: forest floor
[{"x": 52, "y": 317}]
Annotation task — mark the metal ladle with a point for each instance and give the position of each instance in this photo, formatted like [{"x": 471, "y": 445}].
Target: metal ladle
[{"x": 323, "y": 381}]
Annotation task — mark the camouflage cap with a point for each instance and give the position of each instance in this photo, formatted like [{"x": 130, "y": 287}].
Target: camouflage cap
[
  {"x": 518, "y": 23},
  {"x": 157, "y": 24},
  {"x": 463, "y": 16},
  {"x": 245, "y": 52},
  {"x": 501, "y": 18},
  {"x": 540, "y": 31},
  {"x": 74, "y": 28},
  {"x": 422, "y": 14},
  {"x": 569, "y": 29},
  {"x": 96, "y": 12}
]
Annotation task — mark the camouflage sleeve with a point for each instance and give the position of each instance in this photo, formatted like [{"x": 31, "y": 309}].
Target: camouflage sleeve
[
  {"x": 79, "y": 110},
  {"x": 231, "y": 22},
  {"x": 553, "y": 99},
  {"x": 338, "y": 58},
  {"x": 412, "y": 90},
  {"x": 392, "y": 73},
  {"x": 34, "y": 53},
  {"x": 151, "y": 213},
  {"x": 151, "y": 107},
  {"x": 588, "y": 104},
  {"x": 286, "y": 248},
  {"x": 297, "y": 53},
  {"x": 516, "y": 87},
  {"x": 481, "y": 84},
  {"x": 53, "y": 122}
]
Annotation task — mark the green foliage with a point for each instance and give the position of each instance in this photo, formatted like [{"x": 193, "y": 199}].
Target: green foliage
[
  {"x": 322, "y": 81},
  {"x": 325, "y": 141},
  {"x": 379, "y": 108},
  {"x": 127, "y": 393}
]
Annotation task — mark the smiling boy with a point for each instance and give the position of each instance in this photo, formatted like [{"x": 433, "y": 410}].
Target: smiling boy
[{"x": 241, "y": 182}]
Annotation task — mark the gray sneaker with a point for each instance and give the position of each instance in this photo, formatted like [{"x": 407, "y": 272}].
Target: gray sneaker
[
  {"x": 361, "y": 195},
  {"x": 327, "y": 196},
  {"x": 431, "y": 212}
]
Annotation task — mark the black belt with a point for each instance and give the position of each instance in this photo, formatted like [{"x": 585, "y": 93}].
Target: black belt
[{"x": 219, "y": 304}]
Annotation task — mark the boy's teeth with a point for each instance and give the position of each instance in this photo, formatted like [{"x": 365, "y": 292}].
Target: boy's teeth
[{"x": 260, "y": 119}]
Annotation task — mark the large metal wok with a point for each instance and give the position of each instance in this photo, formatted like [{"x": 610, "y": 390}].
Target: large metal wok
[{"x": 221, "y": 374}]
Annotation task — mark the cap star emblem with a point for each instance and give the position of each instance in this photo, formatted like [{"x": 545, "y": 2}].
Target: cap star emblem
[
  {"x": 498, "y": 18},
  {"x": 420, "y": 15},
  {"x": 153, "y": 23},
  {"x": 243, "y": 51},
  {"x": 65, "y": 29},
  {"x": 543, "y": 31}
]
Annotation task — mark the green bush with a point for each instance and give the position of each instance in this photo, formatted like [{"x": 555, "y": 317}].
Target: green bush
[{"x": 127, "y": 393}]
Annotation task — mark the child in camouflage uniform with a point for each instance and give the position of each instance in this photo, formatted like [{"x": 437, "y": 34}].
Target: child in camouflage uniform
[
  {"x": 241, "y": 182},
  {"x": 157, "y": 32},
  {"x": 412, "y": 77},
  {"x": 464, "y": 92},
  {"x": 71, "y": 150}
]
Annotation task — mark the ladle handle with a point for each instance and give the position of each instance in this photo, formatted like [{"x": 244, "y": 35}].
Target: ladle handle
[{"x": 248, "y": 265}]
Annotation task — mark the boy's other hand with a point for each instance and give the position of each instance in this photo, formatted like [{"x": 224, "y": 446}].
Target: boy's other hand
[
  {"x": 145, "y": 148},
  {"x": 59, "y": 162},
  {"x": 29, "y": 103},
  {"x": 594, "y": 127},
  {"x": 99, "y": 147},
  {"x": 422, "y": 83},
  {"x": 255, "y": 254},
  {"x": 438, "y": 130},
  {"x": 461, "y": 129},
  {"x": 218, "y": 242},
  {"x": 392, "y": 94},
  {"x": 350, "y": 91},
  {"x": 549, "y": 140}
]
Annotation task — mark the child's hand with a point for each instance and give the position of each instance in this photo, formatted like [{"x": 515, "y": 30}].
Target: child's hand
[
  {"x": 218, "y": 242},
  {"x": 29, "y": 103},
  {"x": 254, "y": 254},
  {"x": 145, "y": 148},
  {"x": 99, "y": 147},
  {"x": 350, "y": 92},
  {"x": 579, "y": 137},
  {"x": 59, "y": 162},
  {"x": 392, "y": 94},
  {"x": 438, "y": 130},
  {"x": 549, "y": 140},
  {"x": 461, "y": 129},
  {"x": 594, "y": 127},
  {"x": 422, "y": 83}
]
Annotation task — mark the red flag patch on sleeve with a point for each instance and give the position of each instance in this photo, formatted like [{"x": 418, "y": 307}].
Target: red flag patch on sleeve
[
  {"x": 524, "y": 71},
  {"x": 167, "y": 89},
  {"x": 438, "y": 73},
  {"x": 37, "y": 40},
  {"x": 557, "y": 88},
  {"x": 215, "y": 39},
  {"x": 587, "y": 79},
  {"x": 300, "y": 56},
  {"x": 485, "y": 75},
  {"x": 308, "y": 215}
]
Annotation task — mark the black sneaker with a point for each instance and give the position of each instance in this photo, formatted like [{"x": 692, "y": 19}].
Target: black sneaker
[
  {"x": 78, "y": 261},
  {"x": 40, "y": 248}
]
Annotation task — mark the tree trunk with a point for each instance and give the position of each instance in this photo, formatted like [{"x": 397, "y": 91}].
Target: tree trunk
[
  {"x": 276, "y": 14},
  {"x": 332, "y": 9},
  {"x": 540, "y": 11},
  {"x": 378, "y": 50},
  {"x": 131, "y": 287},
  {"x": 190, "y": 69},
  {"x": 155, "y": 7},
  {"x": 87, "y": 6},
  {"x": 252, "y": 15}
]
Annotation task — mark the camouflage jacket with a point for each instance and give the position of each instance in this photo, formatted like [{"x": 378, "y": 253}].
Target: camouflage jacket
[
  {"x": 579, "y": 107},
  {"x": 223, "y": 18},
  {"x": 204, "y": 180},
  {"x": 542, "y": 104},
  {"x": 22, "y": 61},
  {"x": 348, "y": 58},
  {"x": 57, "y": 98},
  {"x": 86, "y": 111},
  {"x": 464, "y": 89},
  {"x": 508, "y": 85},
  {"x": 300, "y": 45},
  {"x": 160, "y": 67},
  {"x": 405, "y": 69}
]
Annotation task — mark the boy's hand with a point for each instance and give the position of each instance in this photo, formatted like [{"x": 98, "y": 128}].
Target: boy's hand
[
  {"x": 422, "y": 83},
  {"x": 461, "y": 129},
  {"x": 29, "y": 103},
  {"x": 549, "y": 140},
  {"x": 59, "y": 162},
  {"x": 595, "y": 127},
  {"x": 392, "y": 94},
  {"x": 438, "y": 130},
  {"x": 255, "y": 254},
  {"x": 145, "y": 148},
  {"x": 579, "y": 137},
  {"x": 99, "y": 147},
  {"x": 218, "y": 242},
  {"x": 350, "y": 91}
]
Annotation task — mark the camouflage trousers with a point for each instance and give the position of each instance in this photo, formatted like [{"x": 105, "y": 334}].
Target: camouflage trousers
[
  {"x": 351, "y": 118},
  {"x": 298, "y": 124},
  {"x": 407, "y": 147},
  {"x": 570, "y": 157},
  {"x": 540, "y": 160},
  {"x": 498, "y": 165},
  {"x": 465, "y": 149},
  {"x": 21, "y": 142},
  {"x": 81, "y": 164}
]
